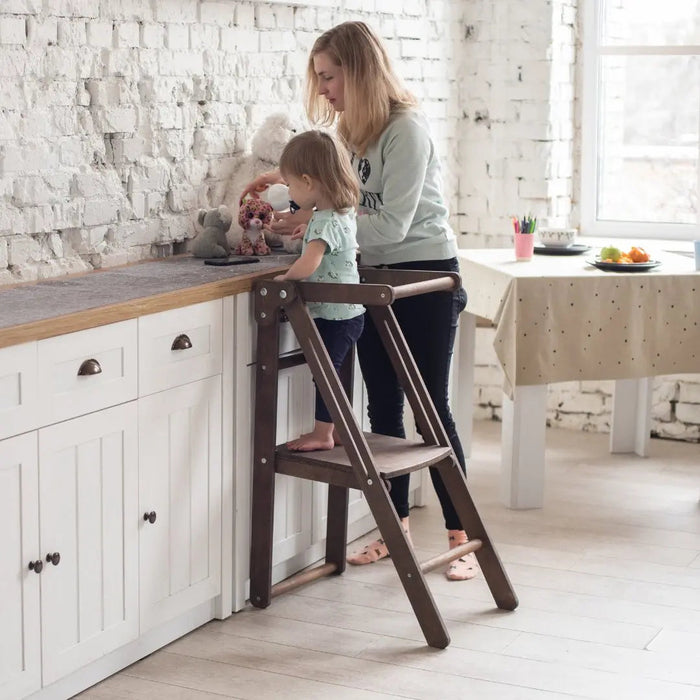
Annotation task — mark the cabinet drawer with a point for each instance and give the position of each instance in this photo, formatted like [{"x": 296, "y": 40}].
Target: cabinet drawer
[
  {"x": 180, "y": 346},
  {"x": 18, "y": 390},
  {"x": 87, "y": 371}
]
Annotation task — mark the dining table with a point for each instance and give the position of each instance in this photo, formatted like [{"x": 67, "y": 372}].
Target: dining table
[{"x": 559, "y": 318}]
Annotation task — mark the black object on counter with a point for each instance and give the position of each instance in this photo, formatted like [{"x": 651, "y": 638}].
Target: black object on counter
[{"x": 233, "y": 260}]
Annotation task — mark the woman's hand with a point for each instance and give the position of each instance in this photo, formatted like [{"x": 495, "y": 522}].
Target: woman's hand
[
  {"x": 261, "y": 183},
  {"x": 286, "y": 223}
]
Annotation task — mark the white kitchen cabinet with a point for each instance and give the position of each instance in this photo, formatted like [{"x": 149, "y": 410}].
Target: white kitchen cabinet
[
  {"x": 20, "y": 631},
  {"x": 88, "y": 538},
  {"x": 179, "y": 499},
  {"x": 107, "y": 586},
  {"x": 19, "y": 397}
]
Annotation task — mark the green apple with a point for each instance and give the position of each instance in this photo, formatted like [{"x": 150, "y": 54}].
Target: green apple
[{"x": 610, "y": 252}]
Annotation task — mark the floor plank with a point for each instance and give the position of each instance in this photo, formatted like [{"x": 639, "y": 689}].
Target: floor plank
[{"x": 608, "y": 575}]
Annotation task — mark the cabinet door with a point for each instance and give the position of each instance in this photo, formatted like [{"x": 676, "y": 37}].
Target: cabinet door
[
  {"x": 88, "y": 496},
  {"x": 180, "y": 484},
  {"x": 20, "y": 652},
  {"x": 293, "y": 497}
]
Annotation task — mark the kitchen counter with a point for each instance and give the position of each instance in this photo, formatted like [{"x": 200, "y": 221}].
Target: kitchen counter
[{"x": 37, "y": 310}]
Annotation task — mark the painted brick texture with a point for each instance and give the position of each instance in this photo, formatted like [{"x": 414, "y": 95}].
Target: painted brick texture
[{"x": 121, "y": 118}]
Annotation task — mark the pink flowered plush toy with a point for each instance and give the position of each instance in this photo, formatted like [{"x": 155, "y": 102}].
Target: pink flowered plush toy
[{"x": 254, "y": 215}]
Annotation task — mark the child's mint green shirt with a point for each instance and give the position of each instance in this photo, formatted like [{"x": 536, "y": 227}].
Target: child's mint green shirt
[{"x": 339, "y": 232}]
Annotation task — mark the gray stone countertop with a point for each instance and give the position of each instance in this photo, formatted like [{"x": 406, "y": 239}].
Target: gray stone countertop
[{"x": 40, "y": 301}]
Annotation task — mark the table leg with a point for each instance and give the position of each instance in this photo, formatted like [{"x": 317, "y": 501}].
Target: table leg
[
  {"x": 631, "y": 416},
  {"x": 462, "y": 401},
  {"x": 522, "y": 447}
]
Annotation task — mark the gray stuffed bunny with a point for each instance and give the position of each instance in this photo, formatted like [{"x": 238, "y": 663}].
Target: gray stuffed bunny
[{"x": 211, "y": 241}]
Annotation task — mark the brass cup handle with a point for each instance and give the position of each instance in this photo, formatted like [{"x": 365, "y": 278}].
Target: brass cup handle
[
  {"x": 150, "y": 517},
  {"x": 89, "y": 367},
  {"x": 182, "y": 342},
  {"x": 36, "y": 566},
  {"x": 53, "y": 558}
]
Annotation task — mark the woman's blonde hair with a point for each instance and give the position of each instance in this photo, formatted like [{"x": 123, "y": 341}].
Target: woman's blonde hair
[
  {"x": 320, "y": 156},
  {"x": 373, "y": 92}
]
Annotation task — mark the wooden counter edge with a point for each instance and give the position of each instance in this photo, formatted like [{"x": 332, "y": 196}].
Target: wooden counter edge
[{"x": 133, "y": 308}]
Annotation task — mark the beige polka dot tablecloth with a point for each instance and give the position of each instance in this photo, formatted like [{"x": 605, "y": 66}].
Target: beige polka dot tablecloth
[{"x": 558, "y": 318}]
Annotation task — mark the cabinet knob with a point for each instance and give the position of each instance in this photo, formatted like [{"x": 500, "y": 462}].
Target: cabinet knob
[
  {"x": 150, "y": 517},
  {"x": 53, "y": 558},
  {"x": 89, "y": 367},
  {"x": 36, "y": 566}
]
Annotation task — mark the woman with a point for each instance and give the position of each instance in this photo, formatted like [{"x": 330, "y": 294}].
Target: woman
[{"x": 402, "y": 224}]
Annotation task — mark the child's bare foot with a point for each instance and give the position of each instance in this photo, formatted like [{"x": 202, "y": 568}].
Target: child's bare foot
[
  {"x": 310, "y": 442},
  {"x": 465, "y": 567},
  {"x": 320, "y": 438},
  {"x": 336, "y": 438}
]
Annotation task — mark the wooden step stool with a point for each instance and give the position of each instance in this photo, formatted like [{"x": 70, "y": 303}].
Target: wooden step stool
[{"x": 365, "y": 461}]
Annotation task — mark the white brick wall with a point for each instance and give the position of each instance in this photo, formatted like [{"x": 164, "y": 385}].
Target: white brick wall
[{"x": 121, "y": 117}]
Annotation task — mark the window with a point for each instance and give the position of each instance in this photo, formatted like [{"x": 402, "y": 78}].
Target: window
[{"x": 641, "y": 119}]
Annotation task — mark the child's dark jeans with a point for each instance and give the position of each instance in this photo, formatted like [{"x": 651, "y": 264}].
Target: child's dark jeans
[{"x": 338, "y": 337}]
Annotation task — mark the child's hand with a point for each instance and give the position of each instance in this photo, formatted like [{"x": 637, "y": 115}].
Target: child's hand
[
  {"x": 279, "y": 278},
  {"x": 299, "y": 232},
  {"x": 285, "y": 223}
]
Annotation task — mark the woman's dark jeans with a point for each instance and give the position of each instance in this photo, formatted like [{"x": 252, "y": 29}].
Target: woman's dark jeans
[{"x": 429, "y": 324}]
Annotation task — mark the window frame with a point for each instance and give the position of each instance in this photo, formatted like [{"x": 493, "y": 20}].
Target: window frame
[{"x": 592, "y": 50}]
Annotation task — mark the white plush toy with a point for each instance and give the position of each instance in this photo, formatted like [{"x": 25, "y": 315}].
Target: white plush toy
[{"x": 266, "y": 148}]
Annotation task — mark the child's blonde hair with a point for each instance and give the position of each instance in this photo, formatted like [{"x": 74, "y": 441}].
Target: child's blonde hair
[
  {"x": 373, "y": 92},
  {"x": 319, "y": 155}
]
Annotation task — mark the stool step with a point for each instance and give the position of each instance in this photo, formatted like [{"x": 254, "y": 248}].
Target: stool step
[
  {"x": 450, "y": 555},
  {"x": 392, "y": 457}
]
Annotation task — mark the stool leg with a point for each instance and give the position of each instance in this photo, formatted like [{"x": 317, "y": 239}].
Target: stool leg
[
  {"x": 263, "y": 507},
  {"x": 407, "y": 567},
  {"x": 495, "y": 575},
  {"x": 337, "y": 526},
  {"x": 262, "y": 522}
]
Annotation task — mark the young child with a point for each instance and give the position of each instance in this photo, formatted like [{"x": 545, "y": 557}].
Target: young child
[{"x": 317, "y": 170}]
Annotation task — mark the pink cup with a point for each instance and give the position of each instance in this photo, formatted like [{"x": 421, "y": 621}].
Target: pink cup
[{"x": 524, "y": 245}]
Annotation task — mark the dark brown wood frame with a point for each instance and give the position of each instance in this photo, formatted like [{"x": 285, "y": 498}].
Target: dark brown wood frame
[{"x": 365, "y": 461}]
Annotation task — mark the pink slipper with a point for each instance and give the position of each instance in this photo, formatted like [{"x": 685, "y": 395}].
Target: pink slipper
[
  {"x": 374, "y": 551},
  {"x": 465, "y": 567}
]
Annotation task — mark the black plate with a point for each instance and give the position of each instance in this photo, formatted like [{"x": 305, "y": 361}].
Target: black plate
[
  {"x": 573, "y": 249},
  {"x": 624, "y": 267}
]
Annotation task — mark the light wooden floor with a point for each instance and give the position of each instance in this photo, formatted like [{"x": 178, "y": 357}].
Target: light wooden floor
[{"x": 608, "y": 576}]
